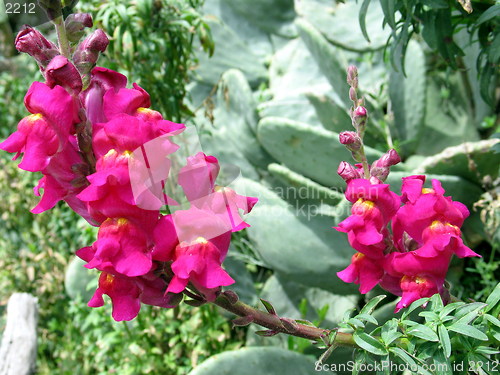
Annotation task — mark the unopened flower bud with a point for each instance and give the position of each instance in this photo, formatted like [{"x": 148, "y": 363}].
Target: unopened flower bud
[
  {"x": 32, "y": 42},
  {"x": 347, "y": 171},
  {"x": 351, "y": 140},
  {"x": 353, "y": 95},
  {"x": 381, "y": 167},
  {"x": 352, "y": 76},
  {"x": 88, "y": 51},
  {"x": 60, "y": 71},
  {"x": 359, "y": 117},
  {"x": 75, "y": 25}
]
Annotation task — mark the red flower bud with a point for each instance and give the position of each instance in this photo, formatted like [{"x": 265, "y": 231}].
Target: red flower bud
[
  {"x": 32, "y": 42},
  {"x": 381, "y": 167},
  {"x": 76, "y": 23},
  {"x": 88, "y": 51},
  {"x": 352, "y": 76},
  {"x": 62, "y": 72},
  {"x": 347, "y": 171}
]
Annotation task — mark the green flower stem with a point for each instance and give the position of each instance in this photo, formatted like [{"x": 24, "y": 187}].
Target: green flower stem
[
  {"x": 273, "y": 322},
  {"x": 61, "y": 36}
]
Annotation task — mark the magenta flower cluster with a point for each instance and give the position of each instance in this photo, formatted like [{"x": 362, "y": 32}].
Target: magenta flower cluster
[
  {"x": 403, "y": 243},
  {"x": 103, "y": 151}
]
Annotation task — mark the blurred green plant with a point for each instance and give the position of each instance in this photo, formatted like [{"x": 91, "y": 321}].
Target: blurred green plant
[
  {"x": 153, "y": 43},
  {"x": 438, "y": 22}
]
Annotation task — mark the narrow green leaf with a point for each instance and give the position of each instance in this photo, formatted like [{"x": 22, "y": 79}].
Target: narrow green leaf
[
  {"x": 491, "y": 13},
  {"x": 494, "y": 297},
  {"x": 415, "y": 305},
  {"x": 356, "y": 323},
  {"x": 430, "y": 316},
  {"x": 437, "y": 302},
  {"x": 389, "y": 9},
  {"x": 372, "y": 304},
  {"x": 268, "y": 306},
  {"x": 492, "y": 320},
  {"x": 487, "y": 350},
  {"x": 369, "y": 343},
  {"x": 368, "y": 318},
  {"x": 389, "y": 332},
  {"x": 449, "y": 308},
  {"x": 464, "y": 310},
  {"x": 444, "y": 339},
  {"x": 423, "y": 332},
  {"x": 404, "y": 356},
  {"x": 266, "y": 333},
  {"x": 466, "y": 330},
  {"x": 362, "y": 18}
]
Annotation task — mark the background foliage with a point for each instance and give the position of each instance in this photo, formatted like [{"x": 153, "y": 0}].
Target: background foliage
[{"x": 271, "y": 98}]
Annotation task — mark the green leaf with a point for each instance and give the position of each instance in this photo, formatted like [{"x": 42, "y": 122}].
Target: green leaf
[
  {"x": 491, "y": 13},
  {"x": 362, "y": 18},
  {"x": 444, "y": 339},
  {"x": 492, "y": 319},
  {"x": 404, "y": 356},
  {"x": 486, "y": 350},
  {"x": 369, "y": 343},
  {"x": 389, "y": 332},
  {"x": 372, "y": 304},
  {"x": 415, "y": 305},
  {"x": 466, "y": 311},
  {"x": 356, "y": 323},
  {"x": 288, "y": 141},
  {"x": 449, "y": 308},
  {"x": 493, "y": 299},
  {"x": 308, "y": 189},
  {"x": 268, "y": 306},
  {"x": 388, "y": 7},
  {"x": 423, "y": 332},
  {"x": 368, "y": 318},
  {"x": 467, "y": 330},
  {"x": 429, "y": 316}
]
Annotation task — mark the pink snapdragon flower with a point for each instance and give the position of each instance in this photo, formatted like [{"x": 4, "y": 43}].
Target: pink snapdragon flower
[
  {"x": 44, "y": 133},
  {"x": 374, "y": 205},
  {"x": 201, "y": 247},
  {"x": 363, "y": 270},
  {"x": 121, "y": 247},
  {"x": 197, "y": 179}
]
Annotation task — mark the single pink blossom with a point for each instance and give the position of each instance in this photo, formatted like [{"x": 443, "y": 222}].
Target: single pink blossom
[{"x": 364, "y": 271}]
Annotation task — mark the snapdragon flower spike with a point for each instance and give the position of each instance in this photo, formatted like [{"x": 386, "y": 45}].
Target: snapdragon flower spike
[
  {"x": 197, "y": 179},
  {"x": 41, "y": 135},
  {"x": 201, "y": 247}
]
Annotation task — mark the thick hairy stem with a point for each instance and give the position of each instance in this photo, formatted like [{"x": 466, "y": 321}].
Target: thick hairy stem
[
  {"x": 62, "y": 37},
  {"x": 274, "y": 323}
]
